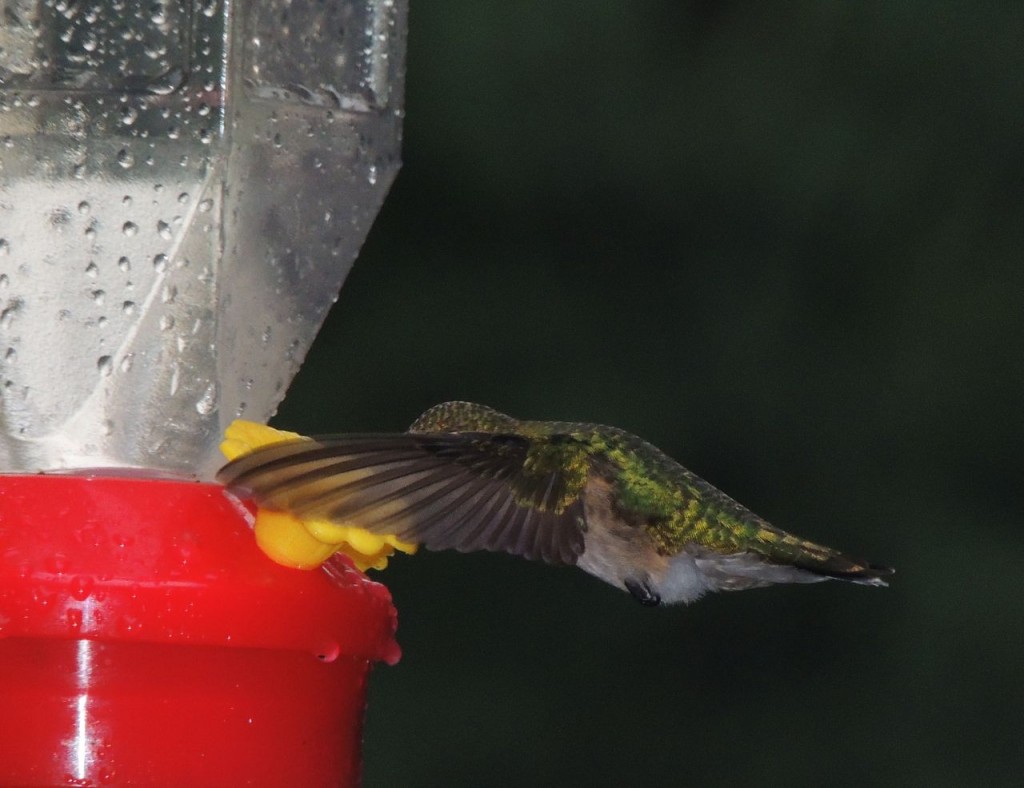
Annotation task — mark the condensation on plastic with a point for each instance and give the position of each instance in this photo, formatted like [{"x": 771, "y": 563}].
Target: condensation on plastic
[{"x": 183, "y": 189}]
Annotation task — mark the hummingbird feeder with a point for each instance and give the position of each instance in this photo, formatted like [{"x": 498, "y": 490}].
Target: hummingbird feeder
[{"x": 183, "y": 189}]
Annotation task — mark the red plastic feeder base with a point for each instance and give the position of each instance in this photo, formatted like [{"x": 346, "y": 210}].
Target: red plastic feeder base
[{"x": 145, "y": 639}]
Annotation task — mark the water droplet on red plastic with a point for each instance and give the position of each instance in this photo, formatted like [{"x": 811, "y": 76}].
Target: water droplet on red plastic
[
  {"x": 81, "y": 587},
  {"x": 74, "y": 619},
  {"x": 329, "y": 652}
]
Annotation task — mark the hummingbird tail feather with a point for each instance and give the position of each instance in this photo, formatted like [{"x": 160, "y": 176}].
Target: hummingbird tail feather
[
  {"x": 788, "y": 560},
  {"x": 827, "y": 563},
  {"x": 840, "y": 567},
  {"x": 780, "y": 548}
]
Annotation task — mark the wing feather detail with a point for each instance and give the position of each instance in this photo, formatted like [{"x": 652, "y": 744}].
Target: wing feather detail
[{"x": 462, "y": 491}]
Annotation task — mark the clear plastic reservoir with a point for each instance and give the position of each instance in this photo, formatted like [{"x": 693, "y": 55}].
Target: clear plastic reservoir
[{"x": 183, "y": 188}]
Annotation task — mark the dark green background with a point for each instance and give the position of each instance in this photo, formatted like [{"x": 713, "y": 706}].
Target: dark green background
[{"x": 781, "y": 241}]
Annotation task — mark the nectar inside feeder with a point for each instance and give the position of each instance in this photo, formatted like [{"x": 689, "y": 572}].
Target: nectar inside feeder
[{"x": 180, "y": 202}]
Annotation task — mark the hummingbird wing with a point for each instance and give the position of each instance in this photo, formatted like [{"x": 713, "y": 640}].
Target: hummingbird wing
[{"x": 465, "y": 491}]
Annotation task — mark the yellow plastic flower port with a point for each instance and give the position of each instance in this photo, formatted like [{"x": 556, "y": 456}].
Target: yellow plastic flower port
[{"x": 299, "y": 543}]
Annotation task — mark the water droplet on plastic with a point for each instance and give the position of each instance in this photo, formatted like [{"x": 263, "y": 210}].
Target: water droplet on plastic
[
  {"x": 126, "y": 201},
  {"x": 92, "y": 270},
  {"x": 371, "y": 175},
  {"x": 205, "y": 205},
  {"x": 128, "y": 115},
  {"x": 105, "y": 364},
  {"x": 125, "y": 158},
  {"x": 126, "y": 362},
  {"x": 207, "y": 403},
  {"x": 5, "y": 247},
  {"x": 183, "y": 198},
  {"x": 163, "y": 229},
  {"x": 124, "y": 264},
  {"x": 58, "y": 563},
  {"x": 129, "y": 229},
  {"x": 98, "y": 296},
  {"x": 74, "y": 619},
  {"x": 167, "y": 322},
  {"x": 169, "y": 293},
  {"x": 160, "y": 262},
  {"x": 81, "y": 587},
  {"x": 128, "y": 307},
  {"x": 7, "y": 315},
  {"x": 84, "y": 208}
]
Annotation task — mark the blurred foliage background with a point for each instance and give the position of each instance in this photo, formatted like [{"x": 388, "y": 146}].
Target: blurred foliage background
[{"x": 782, "y": 242}]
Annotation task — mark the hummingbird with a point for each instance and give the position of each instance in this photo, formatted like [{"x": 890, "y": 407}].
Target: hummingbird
[{"x": 467, "y": 477}]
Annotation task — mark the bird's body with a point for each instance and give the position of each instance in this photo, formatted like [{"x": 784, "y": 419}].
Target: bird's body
[{"x": 470, "y": 478}]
